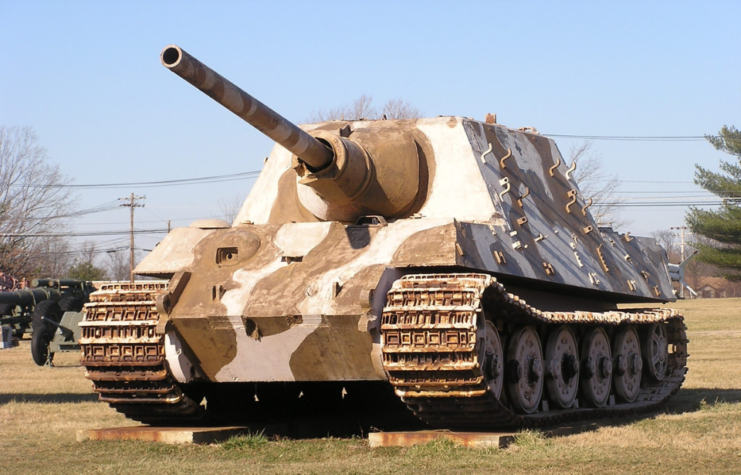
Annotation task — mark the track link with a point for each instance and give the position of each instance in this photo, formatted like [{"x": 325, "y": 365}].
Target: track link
[
  {"x": 429, "y": 332},
  {"x": 125, "y": 356}
]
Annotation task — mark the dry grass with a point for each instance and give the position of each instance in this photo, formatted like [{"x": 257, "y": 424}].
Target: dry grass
[
  {"x": 700, "y": 432},
  {"x": 703, "y": 315}
]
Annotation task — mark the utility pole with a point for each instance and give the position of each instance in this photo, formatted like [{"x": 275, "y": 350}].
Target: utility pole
[
  {"x": 681, "y": 230},
  {"x": 131, "y": 203}
]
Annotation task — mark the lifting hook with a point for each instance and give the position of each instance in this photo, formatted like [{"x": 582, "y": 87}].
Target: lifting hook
[
  {"x": 572, "y": 195},
  {"x": 501, "y": 160},
  {"x": 527, "y": 193},
  {"x": 584, "y": 209},
  {"x": 505, "y": 182},
  {"x": 488, "y": 151},
  {"x": 571, "y": 170},
  {"x": 553, "y": 168}
]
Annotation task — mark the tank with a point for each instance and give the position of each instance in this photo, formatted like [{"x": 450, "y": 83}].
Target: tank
[{"x": 444, "y": 264}]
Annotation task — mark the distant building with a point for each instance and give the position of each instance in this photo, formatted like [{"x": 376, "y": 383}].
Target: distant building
[{"x": 717, "y": 288}]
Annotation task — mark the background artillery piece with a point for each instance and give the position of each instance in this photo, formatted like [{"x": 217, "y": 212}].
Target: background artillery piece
[{"x": 37, "y": 309}]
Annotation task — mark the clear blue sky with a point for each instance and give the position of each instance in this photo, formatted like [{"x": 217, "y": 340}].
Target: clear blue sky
[{"x": 86, "y": 76}]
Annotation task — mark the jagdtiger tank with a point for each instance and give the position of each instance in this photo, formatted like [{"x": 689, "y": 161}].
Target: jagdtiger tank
[{"x": 447, "y": 264}]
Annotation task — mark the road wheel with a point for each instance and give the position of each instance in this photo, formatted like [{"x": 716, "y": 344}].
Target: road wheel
[
  {"x": 596, "y": 370},
  {"x": 626, "y": 355},
  {"x": 40, "y": 341},
  {"x": 656, "y": 351},
  {"x": 525, "y": 370},
  {"x": 562, "y": 367}
]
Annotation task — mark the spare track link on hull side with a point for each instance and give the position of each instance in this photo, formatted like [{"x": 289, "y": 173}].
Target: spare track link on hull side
[
  {"x": 429, "y": 335},
  {"x": 125, "y": 357}
]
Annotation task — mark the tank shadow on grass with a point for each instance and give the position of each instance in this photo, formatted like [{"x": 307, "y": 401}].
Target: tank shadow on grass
[
  {"x": 355, "y": 424},
  {"x": 48, "y": 398},
  {"x": 359, "y": 425},
  {"x": 307, "y": 410}
]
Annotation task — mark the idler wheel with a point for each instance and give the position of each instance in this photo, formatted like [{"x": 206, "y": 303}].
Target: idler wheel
[
  {"x": 628, "y": 364},
  {"x": 525, "y": 354},
  {"x": 491, "y": 356},
  {"x": 596, "y": 367},
  {"x": 563, "y": 368},
  {"x": 656, "y": 351}
]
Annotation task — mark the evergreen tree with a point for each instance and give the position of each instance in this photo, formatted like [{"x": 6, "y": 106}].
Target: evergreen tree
[
  {"x": 86, "y": 271},
  {"x": 722, "y": 227}
]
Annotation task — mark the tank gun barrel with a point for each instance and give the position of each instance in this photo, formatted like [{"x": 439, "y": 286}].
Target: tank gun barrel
[
  {"x": 57, "y": 283},
  {"x": 310, "y": 150},
  {"x": 29, "y": 296}
]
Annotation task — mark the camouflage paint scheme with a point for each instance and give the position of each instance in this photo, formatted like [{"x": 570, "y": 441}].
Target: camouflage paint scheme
[{"x": 283, "y": 296}]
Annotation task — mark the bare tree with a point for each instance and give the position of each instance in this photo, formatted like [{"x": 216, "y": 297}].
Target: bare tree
[
  {"x": 362, "y": 108},
  {"x": 230, "y": 207},
  {"x": 88, "y": 252},
  {"x": 34, "y": 203},
  {"x": 117, "y": 264},
  {"x": 665, "y": 238},
  {"x": 399, "y": 109},
  {"x": 595, "y": 183},
  {"x": 325, "y": 115},
  {"x": 84, "y": 267},
  {"x": 55, "y": 257},
  {"x": 695, "y": 271}
]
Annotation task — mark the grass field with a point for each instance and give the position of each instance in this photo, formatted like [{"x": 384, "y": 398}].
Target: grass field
[{"x": 699, "y": 431}]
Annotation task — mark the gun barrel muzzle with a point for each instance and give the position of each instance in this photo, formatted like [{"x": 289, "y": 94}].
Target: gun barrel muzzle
[{"x": 311, "y": 151}]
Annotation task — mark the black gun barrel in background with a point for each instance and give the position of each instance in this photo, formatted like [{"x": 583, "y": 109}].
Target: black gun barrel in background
[
  {"x": 311, "y": 151},
  {"x": 29, "y": 296},
  {"x": 57, "y": 283}
]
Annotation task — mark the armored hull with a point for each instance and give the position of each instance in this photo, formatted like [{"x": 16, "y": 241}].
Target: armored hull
[{"x": 453, "y": 261}]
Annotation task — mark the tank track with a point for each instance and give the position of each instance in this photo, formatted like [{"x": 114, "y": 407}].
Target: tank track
[
  {"x": 429, "y": 334},
  {"x": 125, "y": 356}
]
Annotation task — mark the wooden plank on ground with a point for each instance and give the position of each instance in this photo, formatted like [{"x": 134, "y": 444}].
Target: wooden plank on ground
[
  {"x": 473, "y": 439},
  {"x": 466, "y": 439},
  {"x": 167, "y": 435}
]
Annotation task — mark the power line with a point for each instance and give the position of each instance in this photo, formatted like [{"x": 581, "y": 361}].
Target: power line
[
  {"x": 73, "y": 252},
  {"x": 147, "y": 221},
  {"x": 636, "y": 138},
  {"x": 668, "y": 198},
  {"x": 646, "y": 181},
  {"x": 86, "y": 234},
  {"x": 162, "y": 183},
  {"x": 658, "y": 205},
  {"x": 652, "y": 192},
  {"x": 95, "y": 209}
]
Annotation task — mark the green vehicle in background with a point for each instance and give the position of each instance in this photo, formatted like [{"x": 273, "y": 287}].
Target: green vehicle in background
[{"x": 39, "y": 310}]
